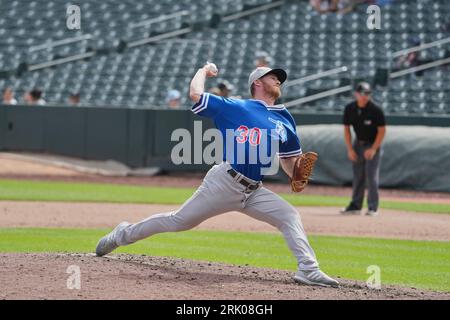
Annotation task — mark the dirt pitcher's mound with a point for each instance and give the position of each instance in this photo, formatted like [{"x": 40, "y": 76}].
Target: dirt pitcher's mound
[{"x": 53, "y": 276}]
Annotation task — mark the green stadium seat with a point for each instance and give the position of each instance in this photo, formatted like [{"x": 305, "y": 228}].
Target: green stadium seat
[{"x": 298, "y": 40}]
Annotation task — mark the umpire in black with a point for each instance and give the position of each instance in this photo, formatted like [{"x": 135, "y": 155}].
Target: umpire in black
[{"x": 367, "y": 120}]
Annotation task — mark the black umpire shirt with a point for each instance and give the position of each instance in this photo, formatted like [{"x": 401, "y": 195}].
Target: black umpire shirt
[{"x": 364, "y": 120}]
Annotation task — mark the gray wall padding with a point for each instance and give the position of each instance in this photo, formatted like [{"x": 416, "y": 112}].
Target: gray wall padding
[{"x": 415, "y": 157}]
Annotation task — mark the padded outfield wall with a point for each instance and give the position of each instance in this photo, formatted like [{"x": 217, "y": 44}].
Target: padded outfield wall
[
  {"x": 414, "y": 157},
  {"x": 416, "y": 149}
]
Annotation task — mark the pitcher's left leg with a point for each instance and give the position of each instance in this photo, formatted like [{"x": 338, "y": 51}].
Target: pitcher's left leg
[{"x": 267, "y": 206}]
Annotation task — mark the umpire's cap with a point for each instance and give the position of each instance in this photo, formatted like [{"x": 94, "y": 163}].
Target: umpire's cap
[
  {"x": 260, "y": 72},
  {"x": 363, "y": 87}
]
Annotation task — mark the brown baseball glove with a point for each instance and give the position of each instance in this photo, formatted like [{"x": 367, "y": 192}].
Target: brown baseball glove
[{"x": 302, "y": 171}]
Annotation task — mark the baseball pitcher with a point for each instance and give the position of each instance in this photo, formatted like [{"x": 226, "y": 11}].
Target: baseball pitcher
[{"x": 236, "y": 183}]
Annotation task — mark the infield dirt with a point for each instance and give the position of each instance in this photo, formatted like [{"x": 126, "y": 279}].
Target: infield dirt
[{"x": 44, "y": 276}]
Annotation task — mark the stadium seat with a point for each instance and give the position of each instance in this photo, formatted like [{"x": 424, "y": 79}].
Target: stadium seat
[{"x": 297, "y": 38}]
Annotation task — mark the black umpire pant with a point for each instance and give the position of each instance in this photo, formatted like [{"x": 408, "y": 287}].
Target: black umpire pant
[{"x": 365, "y": 172}]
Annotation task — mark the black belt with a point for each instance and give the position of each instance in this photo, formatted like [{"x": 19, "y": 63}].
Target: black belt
[
  {"x": 249, "y": 185},
  {"x": 365, "y": 143}
]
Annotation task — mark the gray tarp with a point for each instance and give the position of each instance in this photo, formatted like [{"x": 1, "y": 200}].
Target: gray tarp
[{"x": 415, "y": 157}]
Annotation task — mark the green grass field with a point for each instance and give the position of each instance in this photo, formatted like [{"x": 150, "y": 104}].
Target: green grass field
[
  {"x": 21, "y": 190},
  {"x": 420, "y": 264}
]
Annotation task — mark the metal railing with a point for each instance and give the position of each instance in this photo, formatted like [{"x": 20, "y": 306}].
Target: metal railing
[
  {"x": 319, "y": 95},
  {"x": 159, "y": 37},
  {"x": 249, "y": 12},
  {"x": 176, "y": 33},
  {"x": 420, "y": 47},
  {"x": 153, "y": 39},
  {"x": 316, "y": 76},
  {"x": 60, "y": 61},
  {"x": 159, "y": 19},
  {"x": 62, "y": 42},
  {"x": 392, "y": 75},
  {"x": 422, "y": 67},
  {"x": 209, "y": 43}
]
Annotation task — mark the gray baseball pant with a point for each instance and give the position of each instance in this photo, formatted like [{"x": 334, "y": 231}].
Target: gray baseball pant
[
  {"x": 220, "y": 193},
  {"x": 366, "y": 172}
]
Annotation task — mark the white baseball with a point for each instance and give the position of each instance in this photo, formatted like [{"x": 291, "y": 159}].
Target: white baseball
[{"x": 212, "y": 67}]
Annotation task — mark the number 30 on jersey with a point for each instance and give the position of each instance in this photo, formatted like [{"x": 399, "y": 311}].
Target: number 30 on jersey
[{"x": 244, "y": 134}]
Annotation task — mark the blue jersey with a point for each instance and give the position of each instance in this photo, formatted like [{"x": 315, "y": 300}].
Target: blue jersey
[{"x": 252, "y": 132}]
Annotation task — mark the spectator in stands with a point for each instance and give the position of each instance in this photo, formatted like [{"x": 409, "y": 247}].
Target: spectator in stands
[
  {"x": 324, "y": 6},
  {"x": 263, "y": 59},
  {"x": 446, "y": 26},
  {"x": 408, "y": 61},
  {"x": 412, "y": 59},
  {"x": 34, "y": 97},
  {"x": 367, "y": 120},
  {"x": 173, "y": 99},
  {"x": 341, "y": 6},
  {"x": 225, "y": 88},
  {"x": 215, "y": 91},
  {"x": 8, "y": 97},
  {"x": 74, "y": 99},
  {"x": 347, "y": 6}
]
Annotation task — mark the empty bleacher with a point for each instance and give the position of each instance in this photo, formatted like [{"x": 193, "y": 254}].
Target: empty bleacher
[{"x": 299, "y": 40}]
